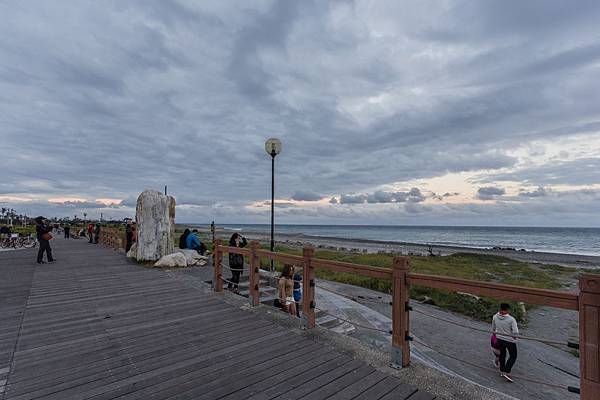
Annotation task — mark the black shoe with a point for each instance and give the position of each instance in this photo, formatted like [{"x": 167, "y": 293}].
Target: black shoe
[{"x": 41, "y": 262}]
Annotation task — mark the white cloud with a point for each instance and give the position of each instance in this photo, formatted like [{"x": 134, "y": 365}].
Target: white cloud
[{"x": 101, "y": 101}]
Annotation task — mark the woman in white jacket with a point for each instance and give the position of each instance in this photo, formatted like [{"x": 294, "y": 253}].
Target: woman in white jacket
[{"x": 505, "y": 327}]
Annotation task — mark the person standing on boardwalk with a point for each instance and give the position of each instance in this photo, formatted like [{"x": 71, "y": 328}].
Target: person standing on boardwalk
[
  {"x": 505, "y": 327},
  {"x": 236, "y": 261},
  {"x": 90, "y": 231},
  {"x": 43, "y": 236},
  {"x": 96, "y": 233},
  {"x": 128, "y": 237},
  {"x": 67, "y": 231}
]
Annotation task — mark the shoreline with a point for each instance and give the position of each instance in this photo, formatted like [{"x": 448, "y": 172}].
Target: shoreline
[{"x": 405, "y": 248}]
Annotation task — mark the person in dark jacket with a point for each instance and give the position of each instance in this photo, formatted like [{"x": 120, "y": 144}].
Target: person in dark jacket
[
  {"x": 67, "y": 231},
  {"x": 41, "y": 230},
  {"x": 96, "y": 233},
  {"x": 236, "y": 261},
  {"x": 183, "y": 239},
  {"x": 128, "y": 237}
]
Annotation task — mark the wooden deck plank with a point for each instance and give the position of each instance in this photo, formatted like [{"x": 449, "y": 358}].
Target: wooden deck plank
[
  {"x": 324, "y": 392},
  {"x": 67, "y": 371},
  {"x": 400, "y": 392},
  {"x": 95, "y": 326},
  {"x": 301, "y": 364},
  {"x": 356, "y": 388},
  {"x": 421, "y": 395},
  {"x": 380, "y": 389},
  {"x": 320, "y": 380},
  {"x": 225, "y": 375}
]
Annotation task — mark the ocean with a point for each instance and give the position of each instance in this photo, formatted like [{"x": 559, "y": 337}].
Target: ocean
[{"x": 584, "y": 241}]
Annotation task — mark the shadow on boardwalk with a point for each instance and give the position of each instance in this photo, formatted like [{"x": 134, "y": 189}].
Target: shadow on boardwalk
[{"x": 95, "y": 326}]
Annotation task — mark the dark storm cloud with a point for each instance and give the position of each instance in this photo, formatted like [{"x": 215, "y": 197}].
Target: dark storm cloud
[
  {"x": 353, "y": 198},
  {"x": 306, "y": 195},
  {"x": 104, "y": 100},
  {"x": 414, "y": 195},
  {"x": 489, "y": 192},
  {"x": 539, "y": 192}
]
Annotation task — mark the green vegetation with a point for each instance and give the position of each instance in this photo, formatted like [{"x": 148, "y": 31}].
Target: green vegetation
[
  {"x": 487, "y": 268},
  {"x": 24, "y": 230},
  {"x": 462, "y": 265}
]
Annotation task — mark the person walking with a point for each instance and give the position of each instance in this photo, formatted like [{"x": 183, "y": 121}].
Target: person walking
[
  {"x": 43, "y": 236},
  {"x": 183, "y": 239},
  {"x": 236, "y": 261},
  {"x": 67, "y": 231},
  {"x": 505, "y": 327}
]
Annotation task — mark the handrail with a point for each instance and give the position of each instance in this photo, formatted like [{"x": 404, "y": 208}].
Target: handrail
[
  {"x": 545, "y": 297},
  {"x": 587, "y": 302},
  {"x": 284, "y": 258},
  {"x": 235, "y": 250},
  {"x": 341, "y": 266}
]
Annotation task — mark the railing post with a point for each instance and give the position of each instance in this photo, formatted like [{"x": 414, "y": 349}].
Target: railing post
[
  {"x": 217, "y": 258},
  {"x": 254, "y": 275},
  {"x": 308, "y": 288},
  {"x": 589, "y": 336},
  {"x": 400, "y": 313}
]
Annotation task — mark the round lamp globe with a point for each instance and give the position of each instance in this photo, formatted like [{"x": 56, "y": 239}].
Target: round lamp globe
[{"x": 273, "y": 146}]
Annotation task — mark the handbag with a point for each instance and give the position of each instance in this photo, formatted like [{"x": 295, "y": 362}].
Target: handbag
[{"x": 46, "y": 236}]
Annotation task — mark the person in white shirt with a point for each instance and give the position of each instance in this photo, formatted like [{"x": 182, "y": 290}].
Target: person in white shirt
[{"x": 505, "y": 327}]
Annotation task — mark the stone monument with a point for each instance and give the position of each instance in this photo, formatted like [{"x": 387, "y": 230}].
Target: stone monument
[{"x": 155, "y": 219}]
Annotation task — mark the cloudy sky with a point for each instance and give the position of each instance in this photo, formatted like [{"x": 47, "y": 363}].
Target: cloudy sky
[{"x": 390, "y": 112}]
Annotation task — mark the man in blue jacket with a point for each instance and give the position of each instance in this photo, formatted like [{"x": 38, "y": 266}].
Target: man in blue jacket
[{"x": 194, "y": 243}]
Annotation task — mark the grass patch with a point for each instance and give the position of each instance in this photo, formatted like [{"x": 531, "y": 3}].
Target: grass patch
[{"x": 487, "y": 268}]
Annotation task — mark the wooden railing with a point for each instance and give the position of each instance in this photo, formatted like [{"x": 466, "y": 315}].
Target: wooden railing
[
  {"x": 112, "y": 237},
  {"x": 587, "y": 301}
]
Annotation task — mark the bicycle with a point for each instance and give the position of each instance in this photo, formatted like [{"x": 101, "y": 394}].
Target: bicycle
[
  {"x": 27, "y": 241},
  {"x": 15, "y": 241},
  {"x": 10, "y": 241}
]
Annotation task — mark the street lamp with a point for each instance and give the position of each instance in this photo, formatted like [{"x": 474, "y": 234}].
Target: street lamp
[{"x": 272, "y": 147}]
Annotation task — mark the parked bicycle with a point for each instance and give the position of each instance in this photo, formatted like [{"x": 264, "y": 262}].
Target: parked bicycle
[{"x": 16, "y": 241}]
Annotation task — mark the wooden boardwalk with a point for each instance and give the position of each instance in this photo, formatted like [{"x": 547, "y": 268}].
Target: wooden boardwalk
[{"x": 93, "y": 326}]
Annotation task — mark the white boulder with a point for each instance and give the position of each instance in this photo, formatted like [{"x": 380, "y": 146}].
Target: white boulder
[
  {"x": 192, "y": 257},
  {"x": 172, "y": 260},
  {"x": 155, "y": 219}
]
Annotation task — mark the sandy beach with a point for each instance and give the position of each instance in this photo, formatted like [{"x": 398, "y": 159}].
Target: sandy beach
[{"x": 376, "y": 246}]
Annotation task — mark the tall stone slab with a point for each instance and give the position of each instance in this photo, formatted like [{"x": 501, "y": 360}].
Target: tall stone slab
[{"x": 155, "y": 219}]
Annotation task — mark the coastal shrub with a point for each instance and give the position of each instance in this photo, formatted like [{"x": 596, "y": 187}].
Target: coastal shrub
[
  {"x": 481, "y": 308},
  {"x": 487, "y": 268}
]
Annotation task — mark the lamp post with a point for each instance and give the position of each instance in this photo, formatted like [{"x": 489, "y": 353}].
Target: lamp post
[{"x": 273, "y": 147}]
